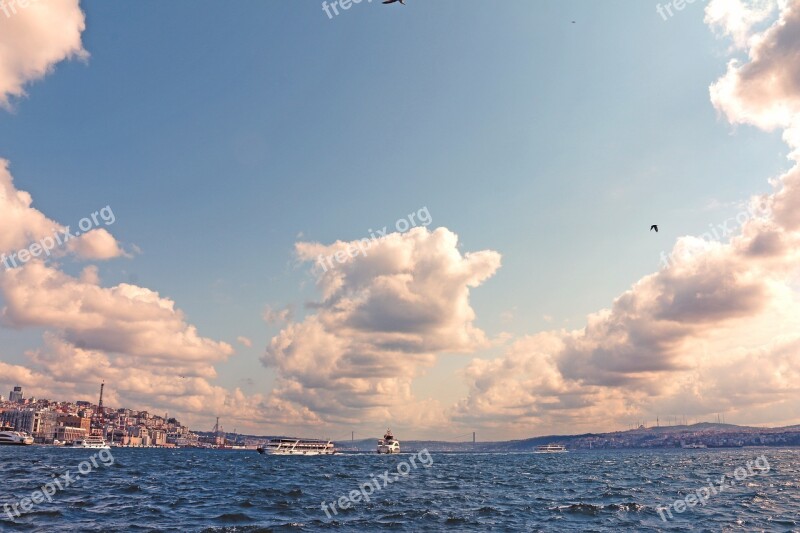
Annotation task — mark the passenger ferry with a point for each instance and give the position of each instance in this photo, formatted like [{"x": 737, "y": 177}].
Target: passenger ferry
[
  {"x": 9, "y": 437},
  {"x": 94, "y": 442},
  {"x": 297, "y": 447},
  {"x": 388, "y": 444},
  {"x": 551, "y": 448}
]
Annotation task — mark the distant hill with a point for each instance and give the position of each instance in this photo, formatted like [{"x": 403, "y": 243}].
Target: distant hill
[{"x": 705, "y": 433}]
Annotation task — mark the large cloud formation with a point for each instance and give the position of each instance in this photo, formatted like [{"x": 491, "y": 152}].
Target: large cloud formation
[
  {"x": 34, "y": 38},
  {"x": 126, "y": 334},
  {"x": 386, "y": 313},
  {"x": 715, "y": 330}
]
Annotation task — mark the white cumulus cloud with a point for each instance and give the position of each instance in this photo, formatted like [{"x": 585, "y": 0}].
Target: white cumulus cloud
[{"x": 34, "y": 38}]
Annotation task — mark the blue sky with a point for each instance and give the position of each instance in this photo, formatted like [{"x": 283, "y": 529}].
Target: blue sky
[{"x": 222, "y": 134}]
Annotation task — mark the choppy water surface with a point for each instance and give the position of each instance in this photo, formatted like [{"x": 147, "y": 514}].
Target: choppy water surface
[{"x": 199, "y": 490}]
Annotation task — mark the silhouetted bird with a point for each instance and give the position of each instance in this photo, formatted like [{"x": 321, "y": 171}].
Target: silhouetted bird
[
  {"x": 393, "y": 1},
  {"x": 654, "y": 227}
]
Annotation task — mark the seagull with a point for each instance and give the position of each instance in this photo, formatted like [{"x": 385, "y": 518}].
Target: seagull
[
  {"x": 654, "y": 227},
  {"x": 393, "y": 1}
]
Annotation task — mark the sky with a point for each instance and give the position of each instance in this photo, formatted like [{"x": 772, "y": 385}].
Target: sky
[{"x": 487, "y": 172}]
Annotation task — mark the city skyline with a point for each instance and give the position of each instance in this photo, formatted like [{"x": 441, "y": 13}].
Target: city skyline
[
  {"x": 25, "y": 414},
  {"x": 196, "y": 211}
]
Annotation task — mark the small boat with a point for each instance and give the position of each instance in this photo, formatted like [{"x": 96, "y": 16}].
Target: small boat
[
  {"x": 551, "y": 448},
  {"x": 388, "y": 444},
  {"x": 694, "y": 446},
  {"x": 9, "y": 437},
  {"x": 94, "y": 442},
  {"x": 297, "y": 447}
]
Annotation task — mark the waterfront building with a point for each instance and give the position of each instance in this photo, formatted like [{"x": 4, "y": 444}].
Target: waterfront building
[
  {"x": 159, "y": 437},
  {"x": 74, "y": 421},
  {"x": 117, "y": 436},
  {"x": 70, "y": 434},
  {"x": 40, "y": 423}
]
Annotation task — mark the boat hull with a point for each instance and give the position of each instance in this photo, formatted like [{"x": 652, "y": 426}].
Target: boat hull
[
  {"x": 551, "y": 448},
  {"x": 91, "y": 443},
  {"x": 388, "y": 449},
  {"x": 15, "y": 438},
  {"x": 305, "y": 447},
  {"x": 559, "y": 451},
  {"x": 267, "y": 451}
]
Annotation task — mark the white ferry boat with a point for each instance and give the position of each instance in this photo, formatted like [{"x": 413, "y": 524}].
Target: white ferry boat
[
  {"x": 9, "y": 437},
  {"x": 388, "y": 444},
  {"x": 551, "y": 448},
  {"x": 297, "y": 447},
  {"x": 94, "y": 442}
]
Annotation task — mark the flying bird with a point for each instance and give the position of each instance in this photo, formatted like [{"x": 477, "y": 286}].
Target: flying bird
[
  {"x": 393, "y": 1},
  {"x": 654, "y": 227}
]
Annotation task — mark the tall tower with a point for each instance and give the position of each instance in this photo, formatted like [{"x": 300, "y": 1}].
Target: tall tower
[
  {"x": 100, "y": 417},
  {"x": 16, "y": 395}
]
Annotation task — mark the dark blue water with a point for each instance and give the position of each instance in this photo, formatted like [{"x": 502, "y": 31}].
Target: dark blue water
[{"x": 199, "y": 490}]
